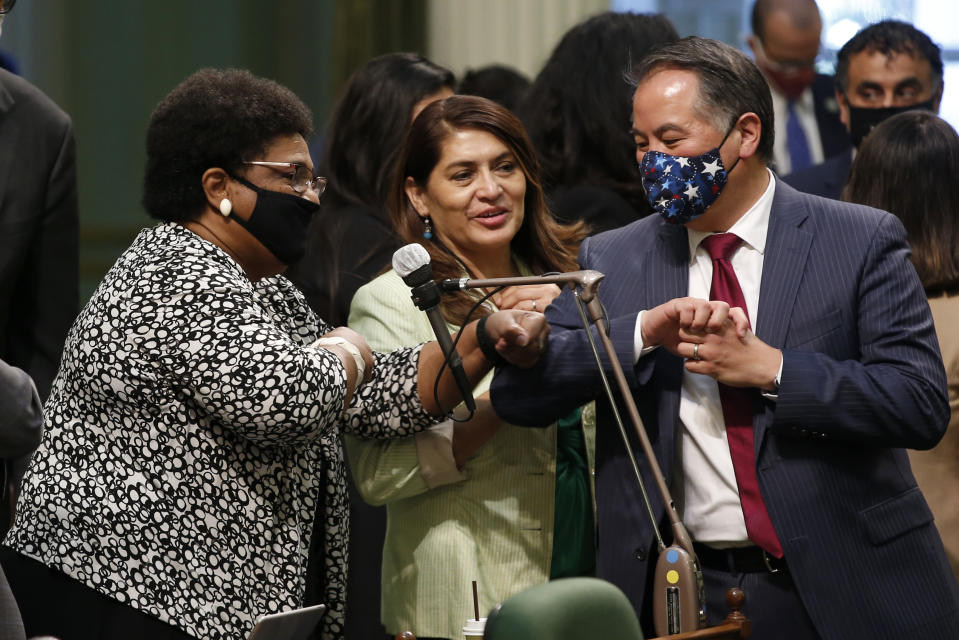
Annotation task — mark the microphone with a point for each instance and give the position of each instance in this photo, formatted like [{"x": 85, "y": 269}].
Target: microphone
[
  {"x": 587, "y": 281},
  {"x": 412, "y": 263}
]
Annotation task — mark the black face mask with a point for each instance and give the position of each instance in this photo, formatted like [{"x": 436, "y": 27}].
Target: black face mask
[
  {"x": 279, "y": 221},
  {"x": 862, "y": 119}
]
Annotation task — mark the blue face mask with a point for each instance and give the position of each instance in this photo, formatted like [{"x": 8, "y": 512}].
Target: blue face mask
[{"x": 681, "y": 188}]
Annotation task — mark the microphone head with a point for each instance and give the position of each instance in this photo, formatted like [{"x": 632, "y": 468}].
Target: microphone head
[
  {"x": 408, "y": 259},
  {"x": 409, "y": 263}
]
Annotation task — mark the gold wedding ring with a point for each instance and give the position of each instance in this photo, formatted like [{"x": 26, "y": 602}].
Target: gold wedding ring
[
  {"x": 696, "y": 351},
  {"x": 534, "y": 305}
]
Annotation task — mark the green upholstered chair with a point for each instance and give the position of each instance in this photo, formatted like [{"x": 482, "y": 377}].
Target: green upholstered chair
[{"x": 564, "y": 609}]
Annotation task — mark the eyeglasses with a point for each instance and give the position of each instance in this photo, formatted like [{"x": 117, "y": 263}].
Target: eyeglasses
[
  {"x": 7, "y": 5},
  {"x": 302, "y": 177}
]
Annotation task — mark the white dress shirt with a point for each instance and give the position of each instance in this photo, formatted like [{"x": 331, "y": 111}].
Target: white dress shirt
[
  {"x": 806, "y": 112},
  {"x": 708, "y": 497}
]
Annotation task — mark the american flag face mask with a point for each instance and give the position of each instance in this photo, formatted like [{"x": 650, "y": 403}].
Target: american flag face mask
[{"x": 681, "y": 188}]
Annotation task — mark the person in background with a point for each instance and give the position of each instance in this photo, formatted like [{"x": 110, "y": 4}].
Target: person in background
[
  {"x": 785, "y": 45},
  {"x": 482, "y": 499},
  {"x": 907, "y": 166},
  {"x": 21, "y": 426},
  {"x": 782, "y": 356},
  {"x": 578, "y": 119},
  {"x": 887, "y": 68},
  {"x": 351, "y": 240},
  {"x": 192, "y": 433},
  {"x": 39, "y": 241},
  {"x": 7, "y": 61},
  {"x": 499, "y": 83}
]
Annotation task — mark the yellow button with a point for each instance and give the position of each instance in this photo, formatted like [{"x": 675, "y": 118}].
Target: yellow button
[{"x": 672, "y": 576}]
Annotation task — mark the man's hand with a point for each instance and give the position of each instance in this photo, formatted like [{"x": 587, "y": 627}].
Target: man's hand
[
  {"x": 733, "y": 358},
  {"x": 662, "y": 324},
  {"x": 519, "y": 336}
]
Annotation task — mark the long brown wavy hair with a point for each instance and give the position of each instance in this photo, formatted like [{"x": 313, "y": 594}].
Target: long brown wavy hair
[
  {"x": 541, "y": 242},
  {"x": 906, "y": 165}
]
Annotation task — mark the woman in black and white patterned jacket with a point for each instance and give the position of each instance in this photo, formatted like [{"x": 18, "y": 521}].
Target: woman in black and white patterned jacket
[{"x": 192, "y": 435}]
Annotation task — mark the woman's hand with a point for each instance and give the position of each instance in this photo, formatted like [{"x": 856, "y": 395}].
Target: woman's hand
[
  {"x": 518, "y": 336},
  {"x": 532, "y": 297}
]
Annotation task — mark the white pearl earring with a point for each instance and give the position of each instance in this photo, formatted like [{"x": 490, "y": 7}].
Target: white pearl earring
[{"x": 226, "y": 206}]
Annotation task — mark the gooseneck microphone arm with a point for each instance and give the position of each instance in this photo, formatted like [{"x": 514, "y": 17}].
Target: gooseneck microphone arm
[{"x": 586, "y": 281}]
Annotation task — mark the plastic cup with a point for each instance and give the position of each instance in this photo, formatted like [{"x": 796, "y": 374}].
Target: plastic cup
[{"x": 474, "y": 628}]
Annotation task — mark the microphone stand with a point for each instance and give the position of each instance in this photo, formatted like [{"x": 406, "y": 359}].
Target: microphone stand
[{"x": 679, "y": 599}]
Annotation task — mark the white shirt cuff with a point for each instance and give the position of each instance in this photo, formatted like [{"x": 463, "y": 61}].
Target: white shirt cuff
[
  {"x": 774, "y": 395},
  {"x": 639, "y": 349},
  {"x": 434, "y": 450}
]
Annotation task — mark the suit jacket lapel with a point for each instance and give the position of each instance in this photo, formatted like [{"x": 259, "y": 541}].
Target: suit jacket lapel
[
  {"x": 669, "y": 266},
  {"x": 668, "y": 278},
  {"x": 787, "y": 249}
]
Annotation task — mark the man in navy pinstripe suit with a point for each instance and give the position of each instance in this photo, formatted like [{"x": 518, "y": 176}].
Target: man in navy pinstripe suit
[{"x": 832, "y": 346}]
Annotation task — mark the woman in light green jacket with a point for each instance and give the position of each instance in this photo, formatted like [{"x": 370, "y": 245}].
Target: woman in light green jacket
[{"x": 479, "y": 500}]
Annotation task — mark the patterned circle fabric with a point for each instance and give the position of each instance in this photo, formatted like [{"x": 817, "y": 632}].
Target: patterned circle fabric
[{"x": 185, "y": 434}]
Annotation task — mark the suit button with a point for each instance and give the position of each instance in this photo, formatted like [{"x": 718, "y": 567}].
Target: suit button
[{"x": 640, "y": 554}]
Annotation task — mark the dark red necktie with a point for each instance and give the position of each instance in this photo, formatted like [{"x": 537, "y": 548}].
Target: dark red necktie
[{"x": 738, "y": 403}]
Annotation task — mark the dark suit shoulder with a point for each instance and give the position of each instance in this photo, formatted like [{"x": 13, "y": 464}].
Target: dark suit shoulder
[
  {"x": 824, "y": 95},
  {"x": 18, "y": 95},
  {"x": 832, "y": 132},
  {"x": 633, "y": 236},
  {"x": 826, "y": 214},
  {"x": 825, "y": 179}
]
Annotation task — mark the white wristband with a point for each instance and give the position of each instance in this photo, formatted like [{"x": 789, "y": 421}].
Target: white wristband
[{"x": 351, "y": 348}]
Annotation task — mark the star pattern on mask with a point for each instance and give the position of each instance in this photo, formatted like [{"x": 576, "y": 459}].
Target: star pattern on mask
[
  {"x": 712, "y": 167},
  {"x": 681, "y": 188}
]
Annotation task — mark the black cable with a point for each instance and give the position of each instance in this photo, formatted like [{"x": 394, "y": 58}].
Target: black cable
[{"x": 436, "y": 382}]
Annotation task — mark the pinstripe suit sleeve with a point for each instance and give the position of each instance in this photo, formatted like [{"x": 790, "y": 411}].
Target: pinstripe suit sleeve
[
  {"x": 565, "y": 376},
  {"x": 894, "y": 394}
]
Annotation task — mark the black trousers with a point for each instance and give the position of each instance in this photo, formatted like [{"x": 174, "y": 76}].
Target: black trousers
[
  {"x": 772, "y": 603},
  {"x": 54, "y": 604}
]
